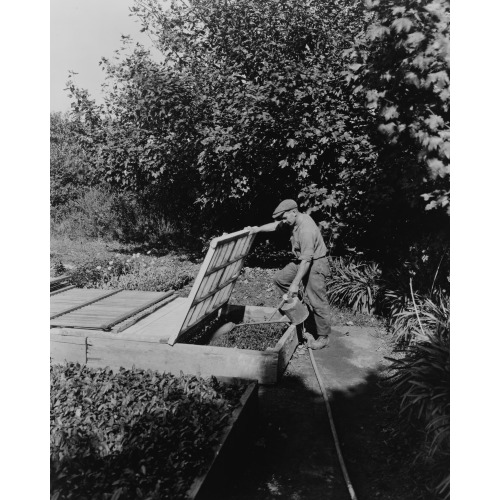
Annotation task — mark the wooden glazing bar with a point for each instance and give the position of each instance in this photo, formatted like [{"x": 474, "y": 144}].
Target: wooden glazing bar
[
  {"x": 86, "y": 303},
  {"x": 207, "y": 283},
  {"x": 53, "y": 281},
  {"x": 197, "y": 315},
  {"x": 135, "y": 311},
  {"x": 133, "y": 321},
  {"x": 227, "y": 238},
  {"x": 213, "y": 292},
  {"x": 220, "y": 255},
  {"x": 62, "y": 289},
  {"x": 222, "y": 266},
  {"x": 194, "y": 323}
]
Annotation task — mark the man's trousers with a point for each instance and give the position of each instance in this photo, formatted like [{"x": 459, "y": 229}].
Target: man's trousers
[{"x": 314, "y": 290}]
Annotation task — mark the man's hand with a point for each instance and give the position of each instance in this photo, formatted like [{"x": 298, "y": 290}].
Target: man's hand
[
  {"x": 293, "y": 290},
  {"x": 253, "y": 229}
]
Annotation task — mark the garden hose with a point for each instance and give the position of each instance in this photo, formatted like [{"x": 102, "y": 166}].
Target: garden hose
[{"x": 332, "y": 426}]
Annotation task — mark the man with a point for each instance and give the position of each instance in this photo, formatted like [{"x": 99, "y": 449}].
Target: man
[{"x": 310, "y": 266}]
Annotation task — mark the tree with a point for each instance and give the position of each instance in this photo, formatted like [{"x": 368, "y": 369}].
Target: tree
[
  {"x": 402, "y": 68},
  {"x": 70, "y": 161}
]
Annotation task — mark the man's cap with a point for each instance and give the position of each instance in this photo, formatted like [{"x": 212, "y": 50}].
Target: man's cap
[{"x": 284, "y": 206}]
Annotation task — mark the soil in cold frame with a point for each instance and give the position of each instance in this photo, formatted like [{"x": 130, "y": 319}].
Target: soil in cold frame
[{"x": 256, "y": 337}]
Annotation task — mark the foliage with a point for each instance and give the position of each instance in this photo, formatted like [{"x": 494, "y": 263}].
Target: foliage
[
  {"x": 132, "y": 433},
  {"x": 422, "y": 381},
  {"x": 136, "y": 272},
  {"x": 99, "y": 212},
  {"x": 248, "y": 105},
  {"x": 366, "y": 287},
  {"x": 70, "y": 161},
  {"x": 268, "y": 253},
  {"x": 433, "y": 313},
  {"x": 402, "y": 68},
  {"x": 354, "y": 284}
]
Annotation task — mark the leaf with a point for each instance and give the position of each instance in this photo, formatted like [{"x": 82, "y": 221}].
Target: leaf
[
  {"x": 437, "y": 168},
  {"x": 415, "y": 38},
  {"x": 376, "y": 31},
  {"x": 402, "y": 24},
  {"x": 390, "y": 112},
  {"x": 291, "y": 143}
]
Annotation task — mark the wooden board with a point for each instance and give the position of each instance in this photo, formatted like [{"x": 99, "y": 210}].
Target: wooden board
[
  {"x": 238, "y": 435},
  {"x": 144, "y": 346},
  {"x": 215, "y": 281},
  {"x": 102, "y": 309},
  {"x": 68, "y": 348},
  {"x": 73, "y": 297},
  {"x": 185, "y": 358}
]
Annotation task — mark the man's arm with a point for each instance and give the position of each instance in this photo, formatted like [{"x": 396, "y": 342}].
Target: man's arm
[
  {"x": 301, "y": 272},
  {"x": 266, "y": 228}
]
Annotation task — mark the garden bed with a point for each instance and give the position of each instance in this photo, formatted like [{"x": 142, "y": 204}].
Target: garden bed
[{"x": 141, "y": 434}]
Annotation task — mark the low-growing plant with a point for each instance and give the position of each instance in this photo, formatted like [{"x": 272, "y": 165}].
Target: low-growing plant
[
  {"x": 132, "y": 433},
  {"x": 136, "y": 272},
  {"x": 354, "y": 284}
]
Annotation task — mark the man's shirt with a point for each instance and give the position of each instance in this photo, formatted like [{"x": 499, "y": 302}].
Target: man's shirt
[{"x": 307, "y": 242}]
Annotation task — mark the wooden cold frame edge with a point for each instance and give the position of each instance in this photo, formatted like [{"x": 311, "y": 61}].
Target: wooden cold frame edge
[
  {"x": 248, "y": 403},
  {"x": 281, "y": 342},
  {"x": 64, "y": 349},
  {"x": 64, "y": 289},
  {"x": 57, "y": 279}
]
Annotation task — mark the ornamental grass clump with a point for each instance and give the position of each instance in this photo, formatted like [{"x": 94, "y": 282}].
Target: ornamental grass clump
[
  {"x": 421, "y": 380},
  {"x": 354, "y": 284},
  {"x": 409, "y": 325},
  {"x": 132, "y": 433}
]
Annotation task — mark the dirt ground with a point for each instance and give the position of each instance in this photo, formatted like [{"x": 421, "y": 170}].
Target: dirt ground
[{"x": 293, "y": 455}]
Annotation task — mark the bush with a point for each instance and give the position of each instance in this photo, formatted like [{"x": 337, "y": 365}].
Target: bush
[
  {"x": 133, "y": 433},
  {"x": 355, "y": 285},
  {"x": 422, "y": 382},
  {"x": 71, "y": 162},
  {"x": 136, "y": 272},
  {"x": 99, "y": 212}
]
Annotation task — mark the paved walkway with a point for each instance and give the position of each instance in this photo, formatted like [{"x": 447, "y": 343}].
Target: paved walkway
[{"x": 294, "y": 455}]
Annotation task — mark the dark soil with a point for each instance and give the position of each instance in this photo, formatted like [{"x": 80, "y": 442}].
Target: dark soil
[{"x": 258, "y": 337}]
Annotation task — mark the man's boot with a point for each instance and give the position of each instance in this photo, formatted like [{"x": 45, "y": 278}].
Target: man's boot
[{"x": 319, "y": 343}]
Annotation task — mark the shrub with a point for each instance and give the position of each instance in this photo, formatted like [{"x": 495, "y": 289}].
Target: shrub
[
  {"x": 98, "y": 212},
  {"x": 132, "y": 433},
  {"x": 90, "y": 215},
  {"x": 353, "y": 284},
  {"x": 71, "y": 165}
]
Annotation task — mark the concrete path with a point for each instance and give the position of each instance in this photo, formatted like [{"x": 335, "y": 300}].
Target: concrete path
[
  {"x": 353, "y": 355},
  {"x": 294, "y": 455}
]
